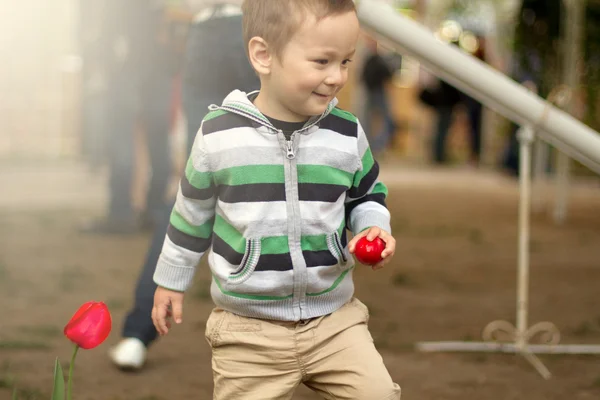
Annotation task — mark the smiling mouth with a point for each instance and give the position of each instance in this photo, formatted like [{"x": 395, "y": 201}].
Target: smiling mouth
[{"x": 321, "y": 95}]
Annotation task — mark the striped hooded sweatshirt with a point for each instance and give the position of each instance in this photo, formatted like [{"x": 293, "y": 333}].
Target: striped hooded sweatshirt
[{"x": 272, "y": 213}]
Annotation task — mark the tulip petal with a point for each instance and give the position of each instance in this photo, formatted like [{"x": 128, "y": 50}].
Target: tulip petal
[{"x": 90, "y": 325}]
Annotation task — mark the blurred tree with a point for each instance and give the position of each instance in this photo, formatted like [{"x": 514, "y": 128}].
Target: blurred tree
[{"x": 591, "y": 69}]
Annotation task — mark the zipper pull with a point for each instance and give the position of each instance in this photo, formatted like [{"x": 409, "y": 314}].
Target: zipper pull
[{"x": 290, "y": 150}]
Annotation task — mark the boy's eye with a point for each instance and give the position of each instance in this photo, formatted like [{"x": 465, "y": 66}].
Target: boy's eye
[
  {"x": 321, "y": 62},
  {"x": 346, "y": 61}
]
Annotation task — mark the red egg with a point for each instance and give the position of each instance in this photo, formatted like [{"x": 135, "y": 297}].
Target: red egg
[{"x": 369, "y": 252}]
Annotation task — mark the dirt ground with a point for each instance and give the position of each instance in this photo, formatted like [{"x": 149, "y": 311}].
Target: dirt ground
[{"x": 453, "y": 273}]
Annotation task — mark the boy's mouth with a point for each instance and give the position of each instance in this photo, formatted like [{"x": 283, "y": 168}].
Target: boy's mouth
[{"x": 321, "y": 95}]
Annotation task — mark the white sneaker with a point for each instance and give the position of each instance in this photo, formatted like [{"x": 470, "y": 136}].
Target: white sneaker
[{"x": 129, "y": 353}]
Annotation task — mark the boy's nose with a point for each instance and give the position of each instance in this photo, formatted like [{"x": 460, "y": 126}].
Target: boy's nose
[{"x": 335, "y": 77}]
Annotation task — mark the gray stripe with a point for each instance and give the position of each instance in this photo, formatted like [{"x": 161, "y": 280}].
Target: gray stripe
[
  {"x": 243, "y": 156},
  {"x": 329, "y": 157}
]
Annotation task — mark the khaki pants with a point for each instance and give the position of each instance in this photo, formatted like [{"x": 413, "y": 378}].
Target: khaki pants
[{"x": 333, "y": 355}]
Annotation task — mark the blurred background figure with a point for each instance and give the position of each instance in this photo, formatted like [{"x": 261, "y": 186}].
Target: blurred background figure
[
  {"x": 215, "y": 63},
  {"x": 376, "y": 75},
  {"x": 535, "y": 62},
  {"x": 473, "y": 107},
  {"x": 129, "y": 74}
]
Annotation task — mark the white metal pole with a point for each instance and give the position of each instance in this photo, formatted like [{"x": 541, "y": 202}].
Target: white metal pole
[
  {"x": 573, "y": 26},
  {"x": 563, "y": 172},
  {"x": 541, "y": 152},
  {"x": 525, "y": 136},
  {"x": 481, "y": 81}
]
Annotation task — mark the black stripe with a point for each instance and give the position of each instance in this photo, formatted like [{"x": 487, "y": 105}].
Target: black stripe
[
  {"x": 344, "y": 238},
  {"x": 191, "y": 192},
  {"x": 366, "y": 182},
  {"x": 376, "y": 197},
  {"x": 223, "y": 122},
  {"x": 320, "y": 192},
  {"x": 252, "y": 192},
  {"x": 222, "y": 248},
  {"x": 319, "y": 258},
  {"x": 182, "y": 239},
  {"x": 339, "y": 125},
  {"x": 274, "y": 262}
]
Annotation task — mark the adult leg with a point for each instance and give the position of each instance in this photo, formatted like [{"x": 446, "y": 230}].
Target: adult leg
[
  {"x": 439, "y": 142},
  {"x": 138, "y": 323},
  {"x": 122, "y": 105},
  {"x": 475, "y": 111},
  {"x": 156, "y": 118}
]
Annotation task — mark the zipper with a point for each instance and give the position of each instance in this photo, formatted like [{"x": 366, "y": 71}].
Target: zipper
[{"x": 290, "y": 150}]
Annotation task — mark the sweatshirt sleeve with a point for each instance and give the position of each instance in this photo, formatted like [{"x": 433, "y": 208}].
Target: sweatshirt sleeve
[
  {"x": 365, "y": 200},
  {"x": 189, "y": 233}
]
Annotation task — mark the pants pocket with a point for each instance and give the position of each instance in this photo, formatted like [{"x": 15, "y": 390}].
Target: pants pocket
[{"x": 213, "y": 326}]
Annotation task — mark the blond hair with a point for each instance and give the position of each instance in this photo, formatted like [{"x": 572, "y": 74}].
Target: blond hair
[{"x": 276, "y": 21}]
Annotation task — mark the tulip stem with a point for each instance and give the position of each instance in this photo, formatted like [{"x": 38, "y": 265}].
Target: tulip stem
[{"x": 70, "y": 383}]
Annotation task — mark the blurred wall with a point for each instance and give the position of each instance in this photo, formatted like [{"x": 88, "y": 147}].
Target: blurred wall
[{"x": 37, "y": 82}]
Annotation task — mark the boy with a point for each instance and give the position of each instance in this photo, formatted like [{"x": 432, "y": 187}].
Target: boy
[{"x": 273, "y": 181}]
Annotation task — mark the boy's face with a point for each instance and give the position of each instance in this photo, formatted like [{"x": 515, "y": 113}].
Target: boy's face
[{"x": 313, "y": 67}]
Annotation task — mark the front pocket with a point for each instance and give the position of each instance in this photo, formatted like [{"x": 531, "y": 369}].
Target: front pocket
[
  {"x": 248, "y": 264},
  {"x": 334, "y": 244}
]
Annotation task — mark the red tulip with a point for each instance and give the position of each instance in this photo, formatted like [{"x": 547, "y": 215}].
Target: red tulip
[
  {"x": 369, "y": 252},
  {"x": 90, "y": 325}
]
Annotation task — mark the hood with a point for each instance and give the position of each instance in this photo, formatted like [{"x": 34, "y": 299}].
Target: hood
[{"x": 238, "y": 102}]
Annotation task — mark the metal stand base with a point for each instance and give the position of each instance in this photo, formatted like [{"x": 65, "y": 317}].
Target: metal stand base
[{"x": 494, "y": 331}]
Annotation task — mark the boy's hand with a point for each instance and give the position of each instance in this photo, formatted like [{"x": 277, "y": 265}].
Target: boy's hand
[
  {"x": 371, "y": 234},
  {"x": 167, "y": 304}
]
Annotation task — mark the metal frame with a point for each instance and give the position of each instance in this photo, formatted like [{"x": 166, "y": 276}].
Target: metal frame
[{"x": 536, "y": 117}]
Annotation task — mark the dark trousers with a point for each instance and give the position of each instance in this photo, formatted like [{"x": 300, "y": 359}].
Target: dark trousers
[
  {"x": 131, "y": 100},
  {"x": 444, "y": 121},
  {"x": 378, "y": 106},
  {"x": 206, "y": 81}
]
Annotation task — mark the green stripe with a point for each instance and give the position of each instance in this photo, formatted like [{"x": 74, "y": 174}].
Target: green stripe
[
  {"x": 324, "y": 174},
  {"x": 314, "y": 243},
  {"x": 248, "y": 296},
  {"x": 270, "y": 244},
  {"x": 199, "y": 180},
  {"x": 214, "y": 114},
  {"x": 340, "y": 230},
  {"x": 380, "y": 188},
  {"x": 202, "y": 231},
  {"x": 274, "y": 245},
  {"x": 367, "y": 163},
  {"x": 344, "y": 114},
  {"x": 335, "y": 284},
  {"x": 249, "y": 174},
  {"x": 229, "y": 234}
]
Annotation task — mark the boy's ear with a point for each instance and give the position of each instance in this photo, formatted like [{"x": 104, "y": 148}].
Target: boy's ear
[{"x": 260, "y": 56}]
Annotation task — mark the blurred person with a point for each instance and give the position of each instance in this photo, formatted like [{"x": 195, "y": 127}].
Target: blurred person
[
  {"x": 376, "y": 75},
  {"x": 442, "y": 98},
  {"x": 215, "y": 63},
  {"x": 140, "y": 64},
  {"x": 536, "y": 62},
  {"x": 474, "y": 111},
  {"x": 274, "y": 179}
]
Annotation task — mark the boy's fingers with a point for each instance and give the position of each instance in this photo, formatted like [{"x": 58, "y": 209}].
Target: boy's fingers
[
  {"x": 177, "y": 310},
  {"x": 377, "y": 266},
  {"x": 373, "y": 233},
  {"x": 160, "y": 318}
]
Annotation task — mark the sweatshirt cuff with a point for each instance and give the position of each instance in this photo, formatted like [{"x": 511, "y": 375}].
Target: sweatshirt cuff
[
  {"x": 172, "y": 277},
  {"x": 368, "y": 220}
]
